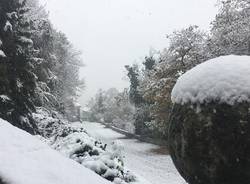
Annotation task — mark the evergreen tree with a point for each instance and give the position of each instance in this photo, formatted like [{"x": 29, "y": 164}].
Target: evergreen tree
[
  {"x": 18, "y": 81},
  {"x": 133, "y": 75}
]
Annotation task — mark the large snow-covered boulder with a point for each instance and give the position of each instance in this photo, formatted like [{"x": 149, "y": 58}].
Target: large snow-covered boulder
[
  {"x": 209, "y": 133},
  {"x": 24, "y": 159}
]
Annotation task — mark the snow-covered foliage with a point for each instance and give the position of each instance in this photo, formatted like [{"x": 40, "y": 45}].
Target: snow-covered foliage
[
  {"x": 17, "y": 75},
  {"x": 230, "y": 29},
  {"x": 152, "y": 85},
  {"x": 43, "y": 66},
  {"x": 2, "y": 54},
  {"x": 12, "y": 15},
  {"x": 49, "y": 123},
  {"x": 188, "y": 47},
  {"x": 4, "y": 98},
  {"x": 224, "y": 79},
  {"x": 25, "y": 40},
  {"x": 26, "y": 160},
  {"x": 8, "y": 26},
  {"x": 74, "y": 142},
  {"x": 114, "y": 108}
]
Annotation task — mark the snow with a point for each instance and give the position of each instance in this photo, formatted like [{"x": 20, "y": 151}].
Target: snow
[
  {"x": 25, "y": 40},
  {"x": 149, "y": 167},
  {"x": 225, "y": 79},
  {"x": 8, "y": 26},
  {"x": 12, "y": 15},
  {"x": 19, "y": 83},
  {"x": 2, "y": 54},
  {"x": 26, "y": 160},
  {"x": 75, "y": 143},
  {"x": 4, "y": 98}
]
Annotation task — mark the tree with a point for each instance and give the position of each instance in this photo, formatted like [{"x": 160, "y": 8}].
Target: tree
[
  {"x": 133, "y": 75},
  {"x": 17, "y": 65},
  {"x": 230, "y": 29},
  {"x": 187, "y": 46},
  {"x": 66, "y": 70}
]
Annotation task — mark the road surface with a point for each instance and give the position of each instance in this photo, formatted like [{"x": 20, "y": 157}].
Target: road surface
[{"x": 149, "y": 162}]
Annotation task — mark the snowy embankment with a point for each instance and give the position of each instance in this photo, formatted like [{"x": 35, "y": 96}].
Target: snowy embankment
[
  {"x": 141, "y": 158},
  {"x": 26, "y": 160}
]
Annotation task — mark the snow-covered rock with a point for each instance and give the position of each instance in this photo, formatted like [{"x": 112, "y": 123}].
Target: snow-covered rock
[
  {"x": 225, "y": 79},
  {"x": 26, "y": 160}
]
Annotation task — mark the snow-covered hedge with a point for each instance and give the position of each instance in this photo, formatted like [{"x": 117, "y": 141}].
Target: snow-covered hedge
[
  {"x": 224, "y": 79},
  {"x": 74, "y": 142},
  {"x": 209, "y": 124}
]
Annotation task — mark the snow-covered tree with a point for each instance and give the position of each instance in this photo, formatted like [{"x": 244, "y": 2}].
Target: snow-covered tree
[
  {"x": 17, "y": 64},
  {"x": 66, "y": 70},
  {"x": 114, "y": 108},
  {"x": 133, "y": 74},
  {"x": 38, "y": 65},
  {"x": 230, "y": 29},
  {"x": 186, "y": 46}
]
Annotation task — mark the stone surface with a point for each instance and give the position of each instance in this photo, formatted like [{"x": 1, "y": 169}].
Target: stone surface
[{"x": 210, "y": 144}]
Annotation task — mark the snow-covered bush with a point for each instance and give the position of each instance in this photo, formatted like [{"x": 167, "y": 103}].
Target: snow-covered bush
[
  {"x": 74, "y": 142},
  {"x": 49, "y": 123}
]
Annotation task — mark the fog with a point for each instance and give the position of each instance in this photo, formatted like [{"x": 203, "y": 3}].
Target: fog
[{"x": 114, "y": 33}]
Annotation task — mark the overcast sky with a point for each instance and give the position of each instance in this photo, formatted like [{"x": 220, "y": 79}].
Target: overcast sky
[{"x": 113, "y": 33}]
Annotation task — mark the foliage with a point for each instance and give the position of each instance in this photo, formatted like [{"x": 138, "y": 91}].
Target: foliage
[
  {"x": 38, "y": 65},
  {"x": 113, "y": 107},
  {"x": 17, "y": 65},
  {"x": 150, "y": 87}
]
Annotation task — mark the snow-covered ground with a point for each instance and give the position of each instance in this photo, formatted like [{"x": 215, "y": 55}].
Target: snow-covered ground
[
  {"x": 150, "y": 167},
  {"x": 24, "y": 159}
]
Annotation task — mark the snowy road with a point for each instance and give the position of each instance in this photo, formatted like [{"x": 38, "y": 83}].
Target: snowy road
[{"x": 140, "y": 158}]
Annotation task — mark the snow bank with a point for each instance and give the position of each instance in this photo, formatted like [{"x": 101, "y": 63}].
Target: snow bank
[
  {"x": 26, "y": 160},
  {"x": 225, "y": 79}
]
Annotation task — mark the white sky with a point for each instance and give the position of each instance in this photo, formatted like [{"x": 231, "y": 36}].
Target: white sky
[{"x": 113, "y": 33}]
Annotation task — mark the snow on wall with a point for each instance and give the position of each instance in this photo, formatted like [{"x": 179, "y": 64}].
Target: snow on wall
[
  {"x": 26, "y": 160},
  {"x": 226, "y": 79}
]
